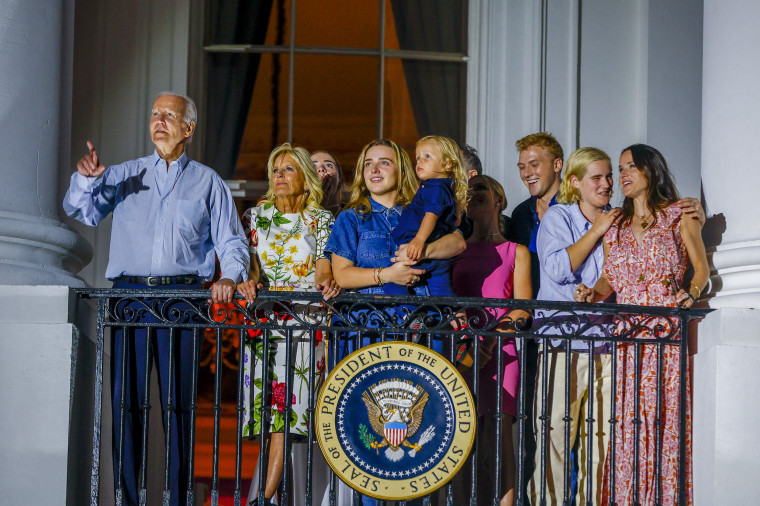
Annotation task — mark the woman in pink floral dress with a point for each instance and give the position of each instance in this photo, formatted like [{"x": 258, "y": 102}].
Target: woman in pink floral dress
[{"x": 646, "y": 255}]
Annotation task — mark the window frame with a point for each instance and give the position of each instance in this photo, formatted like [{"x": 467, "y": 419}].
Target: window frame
[{"x": 381, "y": 53}]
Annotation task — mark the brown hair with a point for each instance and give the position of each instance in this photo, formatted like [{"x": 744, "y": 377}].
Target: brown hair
[{"x": 661, "y": 190}]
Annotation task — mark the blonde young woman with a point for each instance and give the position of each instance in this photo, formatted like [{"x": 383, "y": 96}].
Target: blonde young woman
[
  {"x": 288, "y": 231},
  {"x": 570, "y": 251},
  {"x": 361, "y": 245}
]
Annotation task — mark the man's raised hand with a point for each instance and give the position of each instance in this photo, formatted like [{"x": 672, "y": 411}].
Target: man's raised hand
[{"x": 89, "y": 165}]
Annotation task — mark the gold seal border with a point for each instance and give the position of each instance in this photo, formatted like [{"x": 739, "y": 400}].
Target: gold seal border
[{"x": 326, "y": 423}]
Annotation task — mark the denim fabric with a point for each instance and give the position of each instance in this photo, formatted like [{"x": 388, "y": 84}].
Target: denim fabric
[
  {"x": 434, "y": 196},
  {"x": 365, "y": 239}
]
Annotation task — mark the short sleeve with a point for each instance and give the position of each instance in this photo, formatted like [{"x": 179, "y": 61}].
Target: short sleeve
[
  {"x": 324, "y": 223},
  {"x": 436, "y": 198},
  {"x": 673, "y": 217},
  {"x": 344, "y": 237}
]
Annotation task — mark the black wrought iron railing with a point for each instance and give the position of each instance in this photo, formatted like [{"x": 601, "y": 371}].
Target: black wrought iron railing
[{"x": 636, "y": 338}]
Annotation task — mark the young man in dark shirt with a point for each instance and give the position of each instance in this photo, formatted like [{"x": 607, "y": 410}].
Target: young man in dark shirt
[{"x": 540, "y": 163}]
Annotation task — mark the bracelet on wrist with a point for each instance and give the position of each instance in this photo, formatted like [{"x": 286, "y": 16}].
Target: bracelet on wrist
[
  {"x": 691, "y": 296},
  {"x": 698, "y": 290},
  {"x": 376, "y": 275}
]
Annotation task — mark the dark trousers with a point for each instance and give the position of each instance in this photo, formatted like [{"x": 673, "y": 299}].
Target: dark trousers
[
  {"x": 181, "y": 383},
  {"x": 529, "y": 384}
]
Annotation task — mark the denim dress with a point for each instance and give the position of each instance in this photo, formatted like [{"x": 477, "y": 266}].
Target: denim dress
[{"x": 367, "y": 241}]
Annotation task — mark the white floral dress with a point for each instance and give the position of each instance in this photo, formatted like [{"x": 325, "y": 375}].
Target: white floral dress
[{"x": 287, "y": 246}]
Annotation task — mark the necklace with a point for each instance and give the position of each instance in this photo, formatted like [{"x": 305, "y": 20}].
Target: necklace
[{"x": 645, "y": 220}]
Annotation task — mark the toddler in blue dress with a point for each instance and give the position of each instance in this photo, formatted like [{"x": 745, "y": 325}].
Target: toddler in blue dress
[{"x": 433, "y": 212}]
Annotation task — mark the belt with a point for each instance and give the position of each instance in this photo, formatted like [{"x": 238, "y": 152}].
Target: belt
[{"x": 188, "y": 279}]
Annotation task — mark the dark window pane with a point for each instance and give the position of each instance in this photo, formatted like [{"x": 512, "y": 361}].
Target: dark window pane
[
  {"x": 239, "y": 21},
  {"x": 338, "y": 23},
  {"x": 398, "y": 117},
  {"x": 266, "y": 126},
  {"x": 427, "y": 25},
  {"x": 335, "y": 105}
]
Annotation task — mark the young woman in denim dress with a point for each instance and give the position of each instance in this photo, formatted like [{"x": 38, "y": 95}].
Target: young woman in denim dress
[{"x": 361, "y": 244}]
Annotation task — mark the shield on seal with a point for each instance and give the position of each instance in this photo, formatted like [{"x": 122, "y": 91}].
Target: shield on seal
[{"x": 395, "y": 432}]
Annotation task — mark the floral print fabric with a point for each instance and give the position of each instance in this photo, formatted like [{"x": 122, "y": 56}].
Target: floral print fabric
[
  {"x": 648, "y": 273},
  {"x": 287, "y": 246}
]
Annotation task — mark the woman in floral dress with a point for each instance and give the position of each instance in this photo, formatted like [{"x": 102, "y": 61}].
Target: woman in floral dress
[
  {"x": 288, "y": 231},
  {"x": 647, "y": 252}
]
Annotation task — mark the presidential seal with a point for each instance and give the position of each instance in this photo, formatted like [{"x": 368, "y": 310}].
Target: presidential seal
[{"x": 395, "y": 420}]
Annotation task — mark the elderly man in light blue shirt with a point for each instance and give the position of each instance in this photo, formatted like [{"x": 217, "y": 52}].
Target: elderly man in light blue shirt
[{"x": 170, "y": 216}]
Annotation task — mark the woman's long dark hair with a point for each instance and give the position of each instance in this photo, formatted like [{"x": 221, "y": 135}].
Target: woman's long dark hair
[{"x": 662, "y": 190}]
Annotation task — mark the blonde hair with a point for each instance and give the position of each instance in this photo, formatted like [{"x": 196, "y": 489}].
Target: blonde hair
[
  {"x": 577, "y": 165},
  {"x": 544, "y": 140},
  {"x": 495, "y": 188},
  {"x": 313, "y": 191},
  {"x": 451, "y": 159},
  {"x": 407, "y": 180}
]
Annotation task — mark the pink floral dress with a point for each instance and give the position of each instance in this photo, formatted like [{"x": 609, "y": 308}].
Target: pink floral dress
[
  {"x": 643, "y": 274},
  {"x": 287, "y": 246}
]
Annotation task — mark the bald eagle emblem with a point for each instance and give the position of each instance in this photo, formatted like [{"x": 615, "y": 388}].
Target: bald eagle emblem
[{"x": 395, "y": 408}]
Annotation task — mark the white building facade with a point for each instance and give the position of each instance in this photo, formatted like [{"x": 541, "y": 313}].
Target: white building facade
[{"x": 680, "y": 75}]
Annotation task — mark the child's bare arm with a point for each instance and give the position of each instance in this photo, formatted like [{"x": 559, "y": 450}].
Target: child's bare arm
[{"x": 417, "y": 245}]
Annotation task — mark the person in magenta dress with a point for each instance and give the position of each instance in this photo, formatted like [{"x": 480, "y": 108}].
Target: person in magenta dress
[
  {"x": 493, "y": 267},
  {"x": 646, "y": 254}
]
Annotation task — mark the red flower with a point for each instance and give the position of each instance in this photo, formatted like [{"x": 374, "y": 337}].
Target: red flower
[
  {"x": 254, "y": 238},
  {"x": 254, "y": 332},
  {"x": 278, "y": 396}
]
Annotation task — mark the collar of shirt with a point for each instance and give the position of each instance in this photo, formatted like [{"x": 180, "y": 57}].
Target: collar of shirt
[
  {"x": 533, "y": 205},
  {"x": 579, "y": 220},
  {"x": 537, "y": 222},
  {"x": 379, "y": 208},
  {"x": 166, "y": 178},
  {"x": 437, "y": 181}
]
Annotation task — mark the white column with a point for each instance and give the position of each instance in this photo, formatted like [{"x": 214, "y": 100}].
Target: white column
[
  {"x": 730, "y": 133},
  {"x": 35, "y": 55},
  {"x": 726, "y": 375}
]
